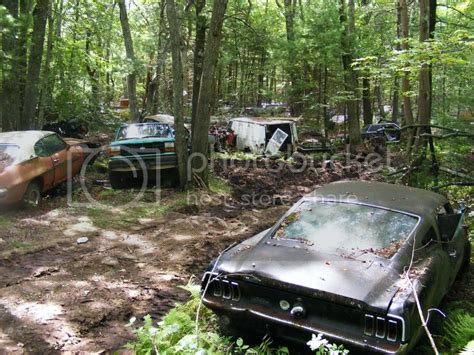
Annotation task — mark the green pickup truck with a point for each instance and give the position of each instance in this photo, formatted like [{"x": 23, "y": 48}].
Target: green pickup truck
[{"x": 139, "y": 150}]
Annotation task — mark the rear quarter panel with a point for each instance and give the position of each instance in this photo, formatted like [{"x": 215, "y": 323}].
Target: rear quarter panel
[{"x": 16, "y": 178}]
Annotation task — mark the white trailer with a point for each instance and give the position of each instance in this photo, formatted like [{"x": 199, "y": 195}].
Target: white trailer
[{"x": 253, "y": 134}]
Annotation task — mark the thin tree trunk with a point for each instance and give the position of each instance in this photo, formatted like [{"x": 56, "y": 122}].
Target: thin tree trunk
[
  {"x": 289, "y": 13},
  {"x": 40, "y": 15},
  {"x": 155, "y": 101},
  {"x": 45, "y": 87},
  {"x": 201, "y": 128},
  {"x": 406, "y": 87},
  {"x": 181, "y": 146},
  {"x": 395, "y": 99},
  {"x": 424, "y": 78},
  {"x": 132, "y": 76},
  {"x": 366, "y": 102},
  {"x": 350, "y": 79},
  {"x": 396, "y": 81},
  {"x": 200, "y": 41}
]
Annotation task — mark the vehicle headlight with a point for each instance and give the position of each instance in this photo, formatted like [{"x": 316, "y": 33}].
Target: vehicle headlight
[
  {"x": 3, "y": 192},
  {"x": 169, "y": 147},
  {"x": 113, "y": 150}
]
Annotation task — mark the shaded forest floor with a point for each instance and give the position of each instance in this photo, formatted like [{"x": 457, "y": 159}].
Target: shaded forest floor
[{"x": 57, "y": 295}]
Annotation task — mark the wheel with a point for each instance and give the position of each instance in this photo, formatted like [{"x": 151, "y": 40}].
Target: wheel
[
  {"x": 32, "y": 196},
  {"x": 117, "y": 180}
]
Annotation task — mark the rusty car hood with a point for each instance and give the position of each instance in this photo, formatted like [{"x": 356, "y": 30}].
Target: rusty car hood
[{"x": 363, "y": 282}]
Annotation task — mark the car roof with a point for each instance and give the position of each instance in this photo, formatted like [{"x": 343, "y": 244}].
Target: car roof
[
  {"x": 160, "y": 118},
  {"x": 22, "y": 137},
  {"x": 26, "y": 140},
  {"x": 397, "y": 197}
]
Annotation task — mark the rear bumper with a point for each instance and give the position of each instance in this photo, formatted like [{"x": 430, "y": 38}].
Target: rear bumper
[
  {"x": 259, "y": 320},
  {"x": 139, "y": 163}
]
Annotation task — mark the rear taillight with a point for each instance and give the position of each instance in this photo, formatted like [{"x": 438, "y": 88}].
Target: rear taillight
[
  {"x": 390, "y": 327},
  {"x": 222, "y": 288}
]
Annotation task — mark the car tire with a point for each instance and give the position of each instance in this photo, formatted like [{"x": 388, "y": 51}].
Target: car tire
[
  {"x": 117, "y": 181},
  {"x": 32, "y": 196}
]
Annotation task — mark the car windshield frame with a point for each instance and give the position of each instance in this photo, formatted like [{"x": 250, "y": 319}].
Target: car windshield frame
[
  {"x": 313, "y": 244},
  {"x": 14, "y": 157},
  {"x": 141, "y": 133}
]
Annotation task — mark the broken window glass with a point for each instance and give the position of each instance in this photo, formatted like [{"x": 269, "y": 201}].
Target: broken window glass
[{"x": 332, "y": 226}]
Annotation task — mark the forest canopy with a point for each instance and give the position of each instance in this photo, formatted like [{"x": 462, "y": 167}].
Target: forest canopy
[{"x": 66, "y": 59}]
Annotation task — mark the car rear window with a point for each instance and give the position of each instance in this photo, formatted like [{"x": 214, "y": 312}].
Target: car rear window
[
  {"x": 334, "y": 227},
  {"x": 145, "y": 130},
  {"x": 8, "y": 154}
]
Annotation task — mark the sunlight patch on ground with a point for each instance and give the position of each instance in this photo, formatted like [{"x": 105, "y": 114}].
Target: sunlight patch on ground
[
  {"x": 36, "y": 311},
  {"x": 84, "y": 225}
]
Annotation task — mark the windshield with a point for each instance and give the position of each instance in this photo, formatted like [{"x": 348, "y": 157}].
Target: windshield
[
  {"x": 333, "y": 226},
  {"x": 145, "y": 130},
  {"x": 8, "y": 154}
]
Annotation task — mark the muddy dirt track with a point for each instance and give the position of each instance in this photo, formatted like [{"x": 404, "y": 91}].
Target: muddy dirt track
[
  {"x": 60, "y": 296},
  {"x": 57, "y": 295}
]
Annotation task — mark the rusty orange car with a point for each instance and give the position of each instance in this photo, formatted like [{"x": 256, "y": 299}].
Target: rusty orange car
[{"x": 33, "y": 162}]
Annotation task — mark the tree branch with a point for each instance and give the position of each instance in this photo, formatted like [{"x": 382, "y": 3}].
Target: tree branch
[{"x": 456, "y": 10}]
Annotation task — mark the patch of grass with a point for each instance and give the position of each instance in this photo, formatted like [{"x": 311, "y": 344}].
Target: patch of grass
[
  {"x": 237, "y": 156},
  {"x": 5, "y": 223},
  {"x": 218, "y": 185},
  {"x": 123, "y": 218},
  {"x": 19, "y": 244}
]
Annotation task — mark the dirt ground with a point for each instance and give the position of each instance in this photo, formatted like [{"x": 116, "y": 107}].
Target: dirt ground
[{"x": 60, "y": 296}]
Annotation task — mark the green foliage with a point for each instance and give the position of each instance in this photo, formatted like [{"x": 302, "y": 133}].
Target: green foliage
[
  {"x": 459, "y": 330},
  {"x": 176, "y": 333}
]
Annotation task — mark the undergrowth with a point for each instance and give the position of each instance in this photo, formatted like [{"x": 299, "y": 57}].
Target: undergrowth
[{"x": 176, "y": 334}]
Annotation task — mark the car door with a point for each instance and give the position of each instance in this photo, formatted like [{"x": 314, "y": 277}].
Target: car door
[
  {"x": 454, "y": 239},
  {"x": 54, "y": 147}
]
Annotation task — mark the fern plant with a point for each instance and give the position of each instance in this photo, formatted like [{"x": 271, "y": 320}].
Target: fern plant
[{"x": 459, "y": 330}]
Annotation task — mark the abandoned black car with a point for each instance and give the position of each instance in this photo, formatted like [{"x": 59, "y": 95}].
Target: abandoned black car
[
  {"x": 342, "y": 262},
  {"x": 387, "y": 130}
]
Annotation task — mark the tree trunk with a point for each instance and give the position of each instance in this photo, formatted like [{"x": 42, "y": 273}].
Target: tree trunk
[
  {"x": 10, "y": 103},
  {"x": 366, "y": 102},
  {"x": 181, "y": 146},
  {"x": 132, "y": 76},
  {"x": 201, "y": 128},
  {"x": 396, "y": 79},
  {"x": 46, "y": 81},
  {"x": 406, "y": 87},
  {"x": 155, "y": 102},
  {"x": 200, "y": 41},
  {"x": 40, "y": 15},
  {"x": 396, "y": 89},
  {"x": 424, "y": 77},
  {"x": 293, "y": 96},
  {"x": 350, "y": 79}
]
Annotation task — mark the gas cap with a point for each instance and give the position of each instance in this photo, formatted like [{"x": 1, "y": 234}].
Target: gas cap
[{"x": 298, "y": 311}]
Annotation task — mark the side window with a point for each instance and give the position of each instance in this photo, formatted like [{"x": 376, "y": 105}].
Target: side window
[
  {"x": 429, "y": 236},
  {"x": 39, "y": 149},
  {"x": 49, "y": 145}
]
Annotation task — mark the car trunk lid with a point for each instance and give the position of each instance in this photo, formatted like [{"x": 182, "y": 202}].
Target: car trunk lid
[{"x": 361, "y": 282}]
